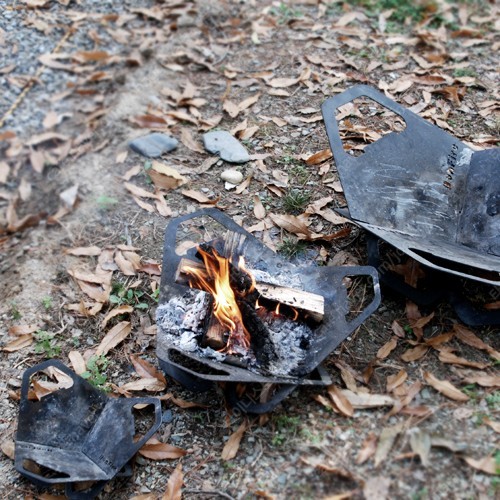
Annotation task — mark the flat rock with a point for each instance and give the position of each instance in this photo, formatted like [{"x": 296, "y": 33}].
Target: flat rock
[
  {"x": 226, "y": 146},
  {"x": 153, "y": 145}
]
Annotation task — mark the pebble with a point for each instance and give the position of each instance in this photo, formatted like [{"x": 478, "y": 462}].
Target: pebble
[
  {"x": 282, "y": 479},
  {"x": 226, "y": 146},
  {"x": 232, "y": 176},
  {"x": 153, "y": 145},
  {"x": 167, "y": 417}
]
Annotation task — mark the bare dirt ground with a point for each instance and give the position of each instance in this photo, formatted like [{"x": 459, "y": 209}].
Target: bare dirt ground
[{"x": 262, "y": 69}]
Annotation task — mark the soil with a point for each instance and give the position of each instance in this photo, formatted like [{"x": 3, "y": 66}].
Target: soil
[{"x": 303, "y": 449}]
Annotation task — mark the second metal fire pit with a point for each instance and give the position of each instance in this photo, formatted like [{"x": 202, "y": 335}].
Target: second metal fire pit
[
  {"x": 423, "y": 191},
  {"x": 199, "y": 373},
  {"x": 78, "y": 433}
]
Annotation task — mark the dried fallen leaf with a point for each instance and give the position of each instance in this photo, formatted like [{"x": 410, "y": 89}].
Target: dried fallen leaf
[
  {"x": 77, "y": 362},
  {"x": 449, "y": 357},
  {"x": 46, "y": 137},
  {"x": 420, "y": 443},
  {"x": 421, "y": 322},
  {"x": 329, "y": 215},
  {"x": 165, "y": 177},
  {"x": 181, "y": 403},
  {"x": 444, "y": 387},
  {"x": 394, "y": 381},
  {"x": 51, "y": 120},
  {"x": 250, "y": 101},
  {"x": 22, "y": 329},
  {"x": 325, "y": 402},
  {"x": 19, "y": 343},
  {"x": 146, "y": 369},
  {"x": 99, "y": 293},
  {"x": 340, "y": 401},
  {"x": 138, "y": 191},
  {"x": 291, "y": 223},
  {"x": 487, "y": 464},
  {"x": 162, "y": 207},
  {"x": 231, "y": 108},
  {"x": 116, "y": 335},
  {"x": 368, "y": 448},
  {"x": 83, "y": 251},
  {"x": 188, "y": 141},
  {"x": 174, "y": 485},
  {"x": 161, "y": 451},
  {"x": 415, "y": 353},
  {"x": 151, "y": 267},
  {"x": 149, "y": 121},
  {"x": 145, "y": 206},
  {"x": 132, "y": 172},
  {"x": 8, "y": 448},
  {"x": 385, "y": 442},
  {"x": 328, "y": 467},
  {"x": 91, "y": 56},
  {"x": 86, "y": 308},
  {"x": 482, "y": 379},
  {"x": 117, "y": 311},
  {"x": 258, "y": 208},
  {"x": 4, "y": 172},
  {"x": 363, "y": 400},
  {"x": 469, "y": 338},
  {"x": 492, "y": 423},
  {"x": 89, "y": 277},
  {"x": 126, "y": 267},
  {"x": 200, "y": 197},
  {"x": 398, "y": 330},
  {"x": 150, "y": 384},
  {"x": 387, "y": 348},
  {"x": 440, "y": 339},
  {"x": 233, "y": 443},
  {"x": 319, "y": 157}
]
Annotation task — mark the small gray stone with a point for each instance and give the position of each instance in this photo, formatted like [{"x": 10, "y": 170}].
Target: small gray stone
[
  {"x": 153, "y": 145},
  {"x": 226, "y": 146},
  {"x": 232, "y": 176}
]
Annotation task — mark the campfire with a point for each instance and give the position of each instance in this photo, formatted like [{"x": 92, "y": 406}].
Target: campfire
[
  {"x": 232, "y": 310},
  {"x": 215, "y": 278},
  {"x": 245, "y": 315}
]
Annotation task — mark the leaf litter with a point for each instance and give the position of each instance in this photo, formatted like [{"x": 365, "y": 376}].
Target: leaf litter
[{"x": 439, "y": 357}]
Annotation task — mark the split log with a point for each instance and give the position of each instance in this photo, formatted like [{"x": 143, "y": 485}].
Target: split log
[
  {"x": 310, "y": 304},
  {"x": 214, "y": 335}
]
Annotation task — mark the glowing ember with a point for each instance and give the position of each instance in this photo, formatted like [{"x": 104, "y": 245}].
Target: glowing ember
[{"x": 216, "y": 281}]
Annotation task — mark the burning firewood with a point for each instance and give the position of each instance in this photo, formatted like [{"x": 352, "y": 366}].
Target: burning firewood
[
  {"x": 237, "y": 322},
  {"x": 310, "y": 304},
  {"x": 214, "y": 336}
]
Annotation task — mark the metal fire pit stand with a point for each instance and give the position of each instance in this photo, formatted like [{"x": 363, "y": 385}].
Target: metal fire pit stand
[
  {"x": 199, "y": 374},
  {"x": 428, "y": 195},
  {"x": 77, "y": 434},
  {"x": 423, "y": 191}
]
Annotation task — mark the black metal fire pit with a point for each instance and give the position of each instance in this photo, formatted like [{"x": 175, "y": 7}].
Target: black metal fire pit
[
  {"x": 423, "y": 191},
  {"x": 429, "y": 196},
  {"x": 199, "y": 373},
  {"x": 79, "y": 434}
]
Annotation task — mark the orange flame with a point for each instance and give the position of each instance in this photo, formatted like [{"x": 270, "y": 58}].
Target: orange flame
[{"x": 226, "y": 309}]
